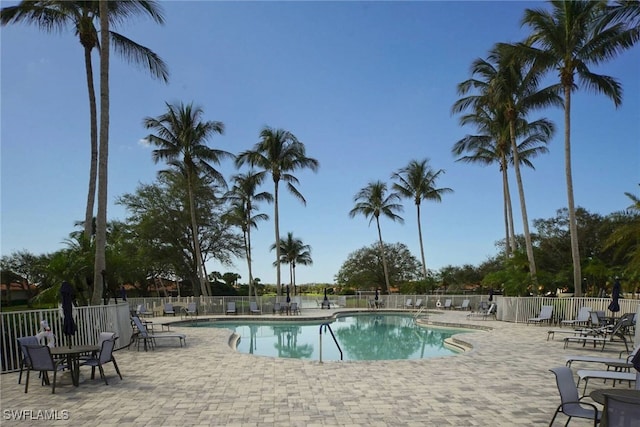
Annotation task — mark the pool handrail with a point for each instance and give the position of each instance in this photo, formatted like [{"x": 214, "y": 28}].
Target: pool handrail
[{"x": 328, "y": 326}]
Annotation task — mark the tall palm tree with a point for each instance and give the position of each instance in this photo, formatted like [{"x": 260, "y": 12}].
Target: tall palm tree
[
  {"x": 569, "y": 39},
  {"x": 491, "y": 145},
  {"x": 100, "y": 264},
  {"x": 417, "y": 181},
  {"x": 294, "y": 252},
  {"x": 53, "y": 16},
  {"x": 279, "y": 152},
  {"x": 373, "y": 201},
  {"x": 182, "y": 140},
  {"x": 244, "y": 196},
  {"x": 511, "y": 86}
]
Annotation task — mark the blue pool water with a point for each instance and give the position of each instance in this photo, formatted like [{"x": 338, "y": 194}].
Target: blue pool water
[{"x": 361, "y": 337}]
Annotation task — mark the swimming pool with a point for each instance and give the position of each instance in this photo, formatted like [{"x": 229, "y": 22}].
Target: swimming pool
[{"x": 361, "y": 337}]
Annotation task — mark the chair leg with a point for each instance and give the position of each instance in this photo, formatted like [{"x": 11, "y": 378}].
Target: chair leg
[
  {"x": 53, "y": 389},
  {"x": 102, "y": 375},
  {"x": 21, "y": 368},
  {"x": 93, "y": 372},
  {"x": 116, "y": 366},
  {"x": 26, "y": 384}
]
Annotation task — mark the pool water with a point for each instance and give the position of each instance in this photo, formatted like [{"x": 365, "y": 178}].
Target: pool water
[{"x": 361, "y": 337}]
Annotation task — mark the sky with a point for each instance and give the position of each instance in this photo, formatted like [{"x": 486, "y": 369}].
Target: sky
[{"x": 366, "y": 86}]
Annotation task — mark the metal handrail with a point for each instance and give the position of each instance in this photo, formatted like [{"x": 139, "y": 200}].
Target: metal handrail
[{"x": 328, "y": 326}]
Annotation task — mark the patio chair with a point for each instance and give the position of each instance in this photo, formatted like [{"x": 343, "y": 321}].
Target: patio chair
[
  {"x": 190, "y": 310},
  {"x": 582, "y": 318},
  {"x": 447, "y": 304},
  {"x": 464, "y": 305},
  {"x": 277, "y": 308},
  {"x": 142, "y": 311},
  {"x": 43, "y": 362},
  {"x": 150, "y": 339},
  {"x": 105, "y": 356},
  {"x": 294, "y": 308},
  {"x": 408, "y": 304},
  {"x": 484, "y": 313},
  {"x": 25, "y": 361},
  {"x": 253, "y": 308},
  {"x": 418, "y": 303},
  {"x": 231, "y": 308},
  {"x": 620, "y": 411},
  {"x": 168, "y": 309},
  {"x": 570, "y": 403},
  {"x": 546, "y": 313},
  {"x": 618, "y": 361}
]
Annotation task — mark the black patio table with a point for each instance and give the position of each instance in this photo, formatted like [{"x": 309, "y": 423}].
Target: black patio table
[
  {"x": 598, "y": 395},
  {"x": 72, "y": 355}
]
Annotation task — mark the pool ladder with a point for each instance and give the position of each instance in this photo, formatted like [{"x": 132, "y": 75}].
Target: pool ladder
[{"x": 328, "y": 326}]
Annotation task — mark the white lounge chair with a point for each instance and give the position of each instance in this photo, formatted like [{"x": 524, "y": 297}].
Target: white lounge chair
[
  {"x": 587, "y": 374},
  {"x": 253, "y": 308},
  {"x": 546, "y": 312},
  {"x": 582, "y": 318},
  {"x": 464, "y": 305},
  {"x": 149, "y": 339},
  {"x": 606, "y": 360},
  {"x": 418, "y": 303},
  {"x": 408, "y": 304},
  {"x": 447, "y": 304}
]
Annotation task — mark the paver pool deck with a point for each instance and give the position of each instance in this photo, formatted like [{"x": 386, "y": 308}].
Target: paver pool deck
[{"x": 503, "y": 381}]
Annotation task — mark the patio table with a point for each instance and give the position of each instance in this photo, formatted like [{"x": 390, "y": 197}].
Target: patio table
[{"x": 72, "y": 354}]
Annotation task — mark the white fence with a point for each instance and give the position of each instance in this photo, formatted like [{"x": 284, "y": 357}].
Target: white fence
[{"x": 90, "y": 321}]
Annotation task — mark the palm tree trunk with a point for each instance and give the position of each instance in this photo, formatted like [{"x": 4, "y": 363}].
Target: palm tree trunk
[
  {"x": 511, "y": 232},
  {"x": 247, "y": 251},
  {"x": 103, "y": 156},
  {"x": 276, "y": 219},
  {"x": 424, "y": 264},
  {"x": 384, "y": 260},
  {"x": 507, "y": 241},
  {"x": 573, "y": 224},
  {"x": 523, "y": 206},
  {"x": 93, "y": 168},
  {"x": 196, "y": 240}
]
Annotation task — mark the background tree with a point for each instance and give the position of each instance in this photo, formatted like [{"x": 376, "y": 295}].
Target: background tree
[
  {"x": 279, "y": 152},
  {"x": 182, "y": 140},
  {"x": 373, "y": 201},
  {"x": 417, "y": 181},
  {"x": 569, "y": 39},
  {"x": 244, "y": 195},
  {"x": 294, "y": 252},
  {"x": 363, "y": 268}
]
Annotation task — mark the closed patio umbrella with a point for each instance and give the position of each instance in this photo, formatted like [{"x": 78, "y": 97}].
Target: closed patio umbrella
[
  {"x": 614, "y": 306},
  {"x": 491, "y": 294},
  {"x": 325, "y": 294},
  {"x": 288, "y": 297},
  {"x": 68, "y": 325},
  {"x": 377, "y": 295}
]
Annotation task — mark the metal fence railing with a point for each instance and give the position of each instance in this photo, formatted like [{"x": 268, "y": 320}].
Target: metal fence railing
[{"x": 90, "y": 322}]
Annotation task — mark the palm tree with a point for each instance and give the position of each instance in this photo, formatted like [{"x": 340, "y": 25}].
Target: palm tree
[
  {"x": 52, "y": 16},
  {"x": 625, "y": 239},
  {"x": 182, "y": 140},
  {"x": 490, "y": 146},
  {"x": 294, "y": 252},
  {"x": 243, "y": 197},
  {"x": 569, "y": 39},
  {"x": 417, "y": 181},
  {"x": 511, "y": 87},
  {"x": 279, "y": 152},
  {"x": 373, "y": 201}
]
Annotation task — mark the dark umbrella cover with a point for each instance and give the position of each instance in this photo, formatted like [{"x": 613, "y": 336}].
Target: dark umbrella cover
[
  {"x": 288, "y": 297},
  {"x": 377, "y": 296},
  {"x": 68, "y": 325},
  {"x": 123, "y": 293},
  {"x": 491, "y": 294},
  {"x": 614, "y": 306},
  {"x": 325, "y": 294}
]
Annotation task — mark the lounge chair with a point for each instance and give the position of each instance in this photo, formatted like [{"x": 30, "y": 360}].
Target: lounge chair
[
  {"x": 447, "y": 304},
  {"x": 582, "y": 318},
  {"x": 606, "y": 360},
  {"x": 141, "y": 311},
  {"x": 42, "y": 361},
  {"x": 606, "y": 334},
  {"x": 484, "y": 313},
  {"x": 253, "y": 308},
  {"x": 587, "y": 374},
  {"x": 570, "y": 403},
  {"x": 418, "y": 303},
  {"x": 105, "y": 356},
  {"x": 546, "y": 313},
  {"x": 149, "y": 339},
  {"x": 464, "y": 305},
  {"x": 231, "y": 308},
  {"x": 191, "y": 309},
  {"x": 408, "y": 304},
  {"x": 168, "y": 309}
]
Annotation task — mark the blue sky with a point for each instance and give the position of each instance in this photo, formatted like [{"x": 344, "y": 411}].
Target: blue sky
[{"x": 367, "y": 86}]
